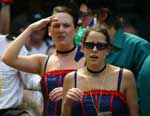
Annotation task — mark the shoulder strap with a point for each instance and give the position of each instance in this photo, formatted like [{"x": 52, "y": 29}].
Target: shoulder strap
[
  {"x": 45, "y": 65},
  {"x": 75, "y": 79},
  {"x": 119, "y": 79}
]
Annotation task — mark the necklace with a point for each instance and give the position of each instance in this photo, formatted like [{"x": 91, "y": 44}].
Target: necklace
[
  {"x": 66, "y": 52},
  {"x": 101, "y": 70},
  {"x": 98, "y": 108}
]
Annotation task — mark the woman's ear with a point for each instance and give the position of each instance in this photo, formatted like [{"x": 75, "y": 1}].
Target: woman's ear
[{"x": 49, "y": 31}]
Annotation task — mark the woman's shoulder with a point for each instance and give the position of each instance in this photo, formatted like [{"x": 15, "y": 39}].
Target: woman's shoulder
[
  {"x": 76, "y": 73},
  {"x": 70, "y": 75},
  {"x": 127, "y": 75},
  {"x": 128, "y": 78},
  {"x": 69, "y": 78},
  {"x": 126, "y": 72},
  {"x": 117, "y": 68}
]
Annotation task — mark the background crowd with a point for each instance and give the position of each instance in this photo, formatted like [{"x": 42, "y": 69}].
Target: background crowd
[{"x": 130, "y": 52}]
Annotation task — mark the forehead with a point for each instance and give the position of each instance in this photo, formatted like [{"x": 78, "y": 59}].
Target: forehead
[
  {"x": 96, "y": 37},
  {"x": 63, "y": 18}
]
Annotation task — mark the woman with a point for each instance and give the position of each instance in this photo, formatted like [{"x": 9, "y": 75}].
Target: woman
[
  {"x": 53, "y": 68},
  {"x": 128, "y": 49},
  {"x": 99, "y": 89}
]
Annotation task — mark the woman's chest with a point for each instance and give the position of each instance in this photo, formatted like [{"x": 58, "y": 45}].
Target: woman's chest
[{"x": 104, "y": 102}]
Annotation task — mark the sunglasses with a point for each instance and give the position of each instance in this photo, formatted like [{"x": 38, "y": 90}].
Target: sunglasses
[{"x": 99, "y": 46}]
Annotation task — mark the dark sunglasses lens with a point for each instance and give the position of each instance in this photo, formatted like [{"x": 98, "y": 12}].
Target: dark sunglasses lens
[
  {"x": 101, "y": 46},
  {"x": 89, "y": 45}
]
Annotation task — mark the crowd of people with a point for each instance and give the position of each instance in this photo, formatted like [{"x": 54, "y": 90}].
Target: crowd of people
[{"x": 80, "y": 60}]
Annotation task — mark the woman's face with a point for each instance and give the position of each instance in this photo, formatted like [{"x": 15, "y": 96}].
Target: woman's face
[
  {"x": 95, "y": 48},
  {"x": 102, "y": 15},
  {"x": 85, "y": 16},
  {"x": 62, "y": 31}
]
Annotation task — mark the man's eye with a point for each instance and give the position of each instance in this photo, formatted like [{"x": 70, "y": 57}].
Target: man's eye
[
  {"x": 55, "y": 26},
  {"x": 66, "y": 25}
]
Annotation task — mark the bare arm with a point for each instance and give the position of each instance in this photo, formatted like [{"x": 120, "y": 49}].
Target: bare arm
[
  {"x": 70, "y": 94},
  {"x": 31, "y": 63},
  {"x": 131, "y": 94}
]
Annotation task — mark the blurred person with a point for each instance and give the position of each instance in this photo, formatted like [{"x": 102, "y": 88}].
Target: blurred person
[
  {"x": 86, "y": 19},
  {"x": 88, "y": 92},
  {"x": 5, "y": 16},
  {"x": 29, "y": 96},
  {"x": 130, "y": 25},
  {"x": 13, "y": 84},
  {"x": 130, "y": 50},
  {"x": 85, "y": 15},
  {"x": 66, "y": 58},
  {"x": 39, "y": 43}
]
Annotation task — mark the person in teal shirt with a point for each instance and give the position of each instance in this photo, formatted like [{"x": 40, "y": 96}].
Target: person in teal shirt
[
  {"x": 143, "y": 83},
  {"x": 129, "y": 51}
]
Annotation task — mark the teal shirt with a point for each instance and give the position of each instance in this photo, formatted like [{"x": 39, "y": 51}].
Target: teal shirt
[
  {"x": 130, "y": 52},
  {"x": 144, "y": 87}
]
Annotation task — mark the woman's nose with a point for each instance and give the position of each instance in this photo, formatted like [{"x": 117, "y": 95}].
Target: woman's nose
[{"x": 94, "y": 48}]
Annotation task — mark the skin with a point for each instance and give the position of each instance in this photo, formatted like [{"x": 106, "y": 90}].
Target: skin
[
  {"x": 62, "y": 31},
  {"x": 128, "y": 87}
]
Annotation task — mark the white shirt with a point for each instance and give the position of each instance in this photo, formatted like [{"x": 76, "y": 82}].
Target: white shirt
[{"x": 12, "y": 81}]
